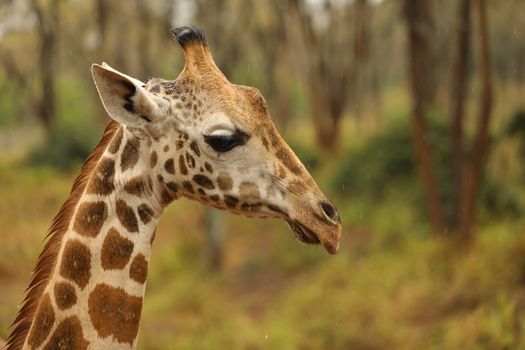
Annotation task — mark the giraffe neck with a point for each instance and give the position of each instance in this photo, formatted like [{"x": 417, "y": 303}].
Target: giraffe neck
[{"x": 94, "y": 295}]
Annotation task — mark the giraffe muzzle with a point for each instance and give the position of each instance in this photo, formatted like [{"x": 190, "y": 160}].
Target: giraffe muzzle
[
  {"x": 303, "y": 234},
  {"x": 328, "y": 238}
]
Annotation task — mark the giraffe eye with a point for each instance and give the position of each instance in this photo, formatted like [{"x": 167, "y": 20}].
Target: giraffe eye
[{"x": 221, "y": 142}]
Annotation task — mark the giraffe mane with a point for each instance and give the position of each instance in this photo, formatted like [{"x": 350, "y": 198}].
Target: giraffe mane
[{"x": 47, "y": 259}]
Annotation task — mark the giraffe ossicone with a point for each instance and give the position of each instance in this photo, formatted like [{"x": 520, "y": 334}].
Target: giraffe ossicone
[{"x": 198, "y": 136}]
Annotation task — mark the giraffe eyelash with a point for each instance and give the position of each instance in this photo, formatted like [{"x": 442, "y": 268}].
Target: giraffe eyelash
[{"x": 226, "y": 142}]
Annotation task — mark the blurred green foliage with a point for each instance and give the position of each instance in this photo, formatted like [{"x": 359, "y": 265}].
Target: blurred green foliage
[
  {"x": 11, "y": 103},
  {"x": 385, "y": 164},
  {"x": 73, "y": 133}
]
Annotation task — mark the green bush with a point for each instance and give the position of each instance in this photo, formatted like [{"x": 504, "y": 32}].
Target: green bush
[
  {"x": 73, "y": 133},
  {"x": 12, "y": 101},
  {"x": 383, "y": 161},
  {"x": 67, "y": 144},
  {"x": 386, "y": 164}
]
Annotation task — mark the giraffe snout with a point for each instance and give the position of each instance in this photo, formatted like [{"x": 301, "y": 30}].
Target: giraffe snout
[
  {"x": 317, "y": 222},
  {"x": 326, "y": 224}
]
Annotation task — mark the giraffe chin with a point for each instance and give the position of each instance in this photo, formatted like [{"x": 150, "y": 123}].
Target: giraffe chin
[{"x": 305, "y": 235}]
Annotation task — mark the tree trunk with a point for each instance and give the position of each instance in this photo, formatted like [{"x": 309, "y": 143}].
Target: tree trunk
[
  {"x": 122, "y": 60},
  {"x": 458, "y": 92},
  {"x": 215, "y": 233},
  {"x": 474, "y": 172},
  {"x": 361, "y": 21},
  {"x": 418, "y": 16},
  {"x": 281, "y": 87},
  {"x": 12, "y": 69},
  {"x": 47, "y": 30},
  {"x": 47, "y": 103},
  {"x": 101, "y": 10},
  {"x": 143, "y": 43},
  {"x": 323, "y": 120},
  {"x": 324, "y": 65}
]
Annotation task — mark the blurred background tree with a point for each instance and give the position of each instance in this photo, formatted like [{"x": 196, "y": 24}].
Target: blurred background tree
[{"x": 410, "y": 113}]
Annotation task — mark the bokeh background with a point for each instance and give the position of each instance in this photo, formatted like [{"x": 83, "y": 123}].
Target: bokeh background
[{"x": 410, "y": 114}]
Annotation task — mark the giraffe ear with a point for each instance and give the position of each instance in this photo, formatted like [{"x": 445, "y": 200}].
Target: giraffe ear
[{"x": 124, "y": 98}]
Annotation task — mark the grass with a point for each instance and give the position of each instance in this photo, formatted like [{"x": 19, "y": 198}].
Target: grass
[{"x": 390, "y": 287}]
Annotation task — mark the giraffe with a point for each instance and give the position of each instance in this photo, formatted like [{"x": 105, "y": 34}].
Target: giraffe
[{"x": 198, "y": 136}]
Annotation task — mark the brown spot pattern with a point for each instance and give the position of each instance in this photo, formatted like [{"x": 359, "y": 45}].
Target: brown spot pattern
[
  {"x": 190, "y": 160},
  {"x": 188, "y": 186},
  {"x": 265, "y": 143},
  {"x": 68, "y": 335},
  {"x": 130, "y": 155},
  {"x": 116, "y": 251},
  {"x": 126, "y": 216},
  {"x": 215, "y": 197},
  {"x": 274, "y": 137},
  {"x": 166, "y": 148},
  {"x": 90, "y": 217},
  {"x": 43, "y": 322},
  {"x": 155, "y": 88},
  {"x": 296, "y": 187},
  {"x": 251, "y": 206},
  {"x": 76, "y": 263},
  {"x": 135, "y": 186},
  {"x": 224, "y": 181},
  {"x": 153, "y": 159},
  {"x": 288, "y": 161},
  {"x": 282, "y": 172},
  {"x": 182, "y": 166},
  {"x": 138, "y": 270},
  {"x": 208, "y": 167},
  {"x": 195, "y": 148},
  {"x": 145, "y": 213},
  {"x": 204, "y": 181},
  {"x": 65, "y": 295},
  {"x": 166, "y": 197},
  {"x": 172, "y": 186},
  {"x": 114, "y": 146},
  {"x": 249, "y": 190},
  {"x": 114, "y": 313},
  {"x": 102, "y": 181},
  {"x": 170, "y": 166},
  {"x": 230, "y": 201}
]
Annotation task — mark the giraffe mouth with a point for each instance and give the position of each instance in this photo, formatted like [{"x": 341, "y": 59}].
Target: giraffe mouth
[{"x": 303, "y": 234}]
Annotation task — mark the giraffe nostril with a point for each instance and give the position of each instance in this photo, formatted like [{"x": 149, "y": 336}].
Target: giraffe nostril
[{"x": 330, "y": 212}]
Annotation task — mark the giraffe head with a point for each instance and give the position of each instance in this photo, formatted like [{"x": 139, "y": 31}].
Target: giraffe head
[{"x": 213, "y": 141}]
